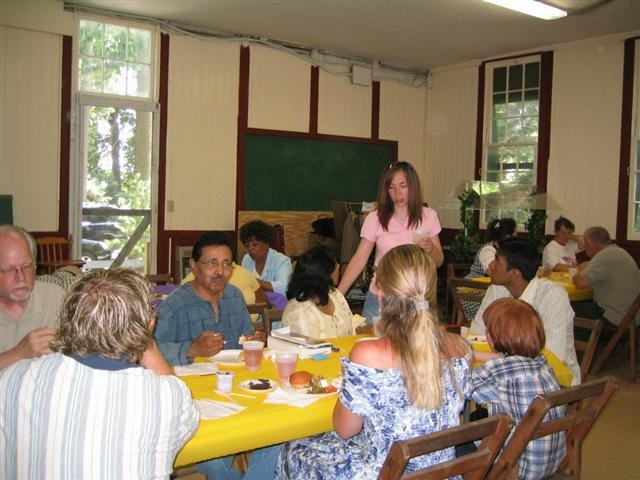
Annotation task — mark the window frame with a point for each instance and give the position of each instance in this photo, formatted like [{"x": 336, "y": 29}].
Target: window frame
[{"x": 483, "y": 130}]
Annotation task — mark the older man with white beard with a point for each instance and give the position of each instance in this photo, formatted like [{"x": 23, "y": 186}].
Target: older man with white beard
[{"x": 28, "y": 308}]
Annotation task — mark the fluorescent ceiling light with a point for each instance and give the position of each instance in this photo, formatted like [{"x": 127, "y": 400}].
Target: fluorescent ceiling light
[{"x": 531, "y": 7}]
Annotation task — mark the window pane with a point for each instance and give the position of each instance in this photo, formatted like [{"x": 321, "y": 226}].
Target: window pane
[
  {"x": 139, "y": 45},
  {"x": 530, "y": 128},
  {"x": 115, "y": 42},
  {"x": 499, "y": 105},
  {"x": 493, "y": 159},
  {"x": 515, "y": 77},
  {"x": 531, "y": 102},
  {"x": 493, "y": 176},
  {"x": 636, "y": 224},
  {"x": 532, "y": 75},
  {"x": 514, "y": 107},
  {"x": 498, "y": 131},
  {"x": 90, "y": 74},
  {"x": 638, "y": 157},
  {"x": 90, "y": 38},
  {"x": 637, "y": 187},
  {"x": 514, "y": 130},
  {"x": 138, "y": 80},
  {"x": 500, "y": 79},
  {"x": 115, "y": 77}
]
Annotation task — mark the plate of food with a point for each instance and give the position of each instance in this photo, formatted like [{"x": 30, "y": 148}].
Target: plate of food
[
  {"x": 259, "y": 385},
  {"x": 229, "y": 357},
  {"x": 304, "y": 383}
]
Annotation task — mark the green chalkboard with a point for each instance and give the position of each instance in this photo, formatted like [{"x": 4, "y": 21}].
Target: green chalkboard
[
  {"x": 6, "y": 209},
  {"x": 305, "y": 174}
]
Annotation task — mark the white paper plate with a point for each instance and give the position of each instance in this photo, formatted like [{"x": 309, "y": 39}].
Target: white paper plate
[
  {"x": 228, "y": 357},
  {"x": 246, "y": 385}
]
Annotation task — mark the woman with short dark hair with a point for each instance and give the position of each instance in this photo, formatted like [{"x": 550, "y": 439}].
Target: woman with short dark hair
[{"x": 316, "y": 308}]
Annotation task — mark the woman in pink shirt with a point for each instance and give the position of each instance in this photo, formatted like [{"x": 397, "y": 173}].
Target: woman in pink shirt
[{"x": 400, "y": 219}]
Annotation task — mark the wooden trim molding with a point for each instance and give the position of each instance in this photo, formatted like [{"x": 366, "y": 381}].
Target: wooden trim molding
[
  {"x": 625, "y": 139},
  {"x": 163, "y": 237},
  {"x": 243, "y": 123},
  {"x": 314, "y": 98},
  {"x": 480, "y": 122},
  {"x": 544, "y": 126},
  {"x": 375, "y": 110}
]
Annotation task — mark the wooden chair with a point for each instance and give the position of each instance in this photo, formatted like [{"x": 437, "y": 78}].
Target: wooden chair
[
  {"x": 269, "y": 316},
  {"x": 584, "y": 403},
  {"x": 160, "y": 279},
  {"x": 278, "y": 238},
  {"x": 586, "y": 348},
  {"x": 627, "y": 326},
  {"x": 55, "y": 253},
  {"x": 454, "y": 270},
  {"x": 468, "y": 290},
  {"x": 493, "y": 431}
]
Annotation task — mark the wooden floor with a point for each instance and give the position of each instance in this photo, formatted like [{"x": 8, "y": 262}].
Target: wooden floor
[{"x": 611, "y": 451}]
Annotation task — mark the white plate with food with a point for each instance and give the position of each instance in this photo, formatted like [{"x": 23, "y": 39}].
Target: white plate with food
[
  {"x": 258, "y": 385},
  {"x": 305, "y": 384},
  {"x": 228, "y": 357}
]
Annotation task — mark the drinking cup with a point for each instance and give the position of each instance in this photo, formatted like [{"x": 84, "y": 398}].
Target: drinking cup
[
  {"x": 464, "y": 332},
  {"x": 225, "y": 381},
  {"x": 253, "y": 354},
  {"x": 572, "y": 273},
  {"x": 286, "y": 362},
  {"x": 418, "y": 235}
]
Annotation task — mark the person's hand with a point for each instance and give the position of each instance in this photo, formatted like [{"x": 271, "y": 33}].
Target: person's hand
[
  {"x": 36, "y": 342},
  {"x": 206, "y": 345},
  {"x": 426, "y": 244},
  {"x": 544, "y": 272},
  {"x": 364, "y": 329},
  {"x": 258, "y": 336}
]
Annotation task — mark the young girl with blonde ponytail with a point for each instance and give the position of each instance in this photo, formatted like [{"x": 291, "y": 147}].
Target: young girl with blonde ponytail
[{"x": 410, "y": 381}]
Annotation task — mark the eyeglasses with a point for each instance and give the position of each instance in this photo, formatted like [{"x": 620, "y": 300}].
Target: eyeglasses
[
  {"x": 24, "y": 269},
  {"x": 214, "y": 264}
]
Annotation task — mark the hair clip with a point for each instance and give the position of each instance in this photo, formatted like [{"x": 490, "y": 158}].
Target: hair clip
[{"x": 420, "y": 304}]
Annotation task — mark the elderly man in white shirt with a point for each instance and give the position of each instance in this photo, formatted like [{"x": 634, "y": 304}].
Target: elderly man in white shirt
[{"x": 513, "y": 274}]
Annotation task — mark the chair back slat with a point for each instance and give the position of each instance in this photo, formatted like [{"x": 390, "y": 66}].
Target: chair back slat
[
  {"x": 493, "y": 431},
  {"x": 271, "y": 315},
  {"x": 468, "y": 290},
  {"x": 586, "y": 348},
  {"x": 584, "y": 405},
  {"x": 55, "y": 252}
]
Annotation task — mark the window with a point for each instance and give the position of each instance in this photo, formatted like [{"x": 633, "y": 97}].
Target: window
[
  {"x": 511, "y": 153},
  {"x": 115, "y": 59},
  {"x": 114, "y": 174},
  {"x": 633, "y": 221}
]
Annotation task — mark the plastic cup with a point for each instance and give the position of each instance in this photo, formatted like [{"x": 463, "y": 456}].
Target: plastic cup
[
  {"x": 572, "y": 273},
  {"x": 225, "y": 381},
  {"x": 253, "y": 354},
  {"x": 464, "y": 332},
  {"x": 418, "y": 235},
  {"x": 286, "y": 362}
]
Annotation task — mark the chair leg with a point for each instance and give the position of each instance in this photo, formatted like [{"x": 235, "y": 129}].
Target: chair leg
[
  {"x": 632, "y": 351},
  {"x": 607, "y": 351}
]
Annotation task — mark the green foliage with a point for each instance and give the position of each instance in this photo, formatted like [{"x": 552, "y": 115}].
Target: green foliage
[
  {"x": 535, "y": 225},
  {"x": 467, "y": 240}
]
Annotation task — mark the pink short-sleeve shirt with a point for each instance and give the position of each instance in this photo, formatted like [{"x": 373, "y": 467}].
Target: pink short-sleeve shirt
[{"x": 397, "y": 233}]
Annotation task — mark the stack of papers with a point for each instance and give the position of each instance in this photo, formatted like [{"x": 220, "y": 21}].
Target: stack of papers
[
  {"x": 283, "y": 397},
  {"x": 284, "y": 339},
  {"x": 195, "y": 369},
  {"x": 212, "y": 409}
]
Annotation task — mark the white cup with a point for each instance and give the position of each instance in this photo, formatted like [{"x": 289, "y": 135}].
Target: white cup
[
  {"x": 464, "y": 332},
  {"x": 419, "y": 235},
  {"x": 225, "y": 381}
]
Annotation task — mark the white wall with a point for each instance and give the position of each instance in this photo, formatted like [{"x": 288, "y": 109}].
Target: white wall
[
  {"x": 585, "y": 134},
  {"x": 202, "y": 134},
  {"x": 30, "y": 76},
  {"x": 450, "y": 133},
  {"x": 279, "y": 90},
  {"x": 343, "y": 108}
]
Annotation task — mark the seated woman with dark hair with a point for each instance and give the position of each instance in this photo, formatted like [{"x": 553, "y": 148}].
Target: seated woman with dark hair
[
  {"x": 316, "y": 308},
  {"x": 271, "y": 268}
]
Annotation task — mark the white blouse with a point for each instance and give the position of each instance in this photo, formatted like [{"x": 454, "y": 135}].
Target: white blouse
[{"x": 307, "y": 319}]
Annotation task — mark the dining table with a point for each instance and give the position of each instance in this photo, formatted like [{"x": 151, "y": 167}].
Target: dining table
[
  {"x": 262, "y": 424},
  {"x": 561, "y": 278}
]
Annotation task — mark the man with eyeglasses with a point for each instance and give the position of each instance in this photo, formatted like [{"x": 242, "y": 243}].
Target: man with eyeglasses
[
  {"x": 208, "y": 314},
  {"x": 28, "y": 308},
  {"x": 203, "y": 317}
]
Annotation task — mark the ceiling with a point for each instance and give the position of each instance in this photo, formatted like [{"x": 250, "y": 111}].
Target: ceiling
[{"x": 423, "y": 34}]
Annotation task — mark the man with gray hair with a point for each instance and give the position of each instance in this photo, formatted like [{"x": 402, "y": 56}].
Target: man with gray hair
[
  {"x": 611, "y": 273},
  {"x": 28, "y": 308},
  {"x": 105, "y": 404}
]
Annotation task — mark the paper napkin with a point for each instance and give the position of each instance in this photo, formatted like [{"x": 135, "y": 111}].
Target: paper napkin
[
  {"x": 212, "y": 409},
  {"x": 284, "y": 397},
  {"x": 202, "y": 368}
]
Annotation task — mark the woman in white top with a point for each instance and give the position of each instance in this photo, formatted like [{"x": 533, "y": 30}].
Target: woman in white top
[{"x": 316, "y": 308}]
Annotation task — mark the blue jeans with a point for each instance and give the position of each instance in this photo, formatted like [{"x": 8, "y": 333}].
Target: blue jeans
[
  {"x": 262, "y": 465},
  {"x": 371, "y": 307}
]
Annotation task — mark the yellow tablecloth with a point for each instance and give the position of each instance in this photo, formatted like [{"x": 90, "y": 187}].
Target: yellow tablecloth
[
  {"x": 563, "y": 374},
  {"x": 261, "y": 424},
  {"x": 561, "y": 278}
]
